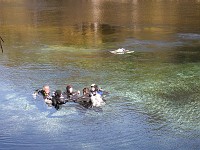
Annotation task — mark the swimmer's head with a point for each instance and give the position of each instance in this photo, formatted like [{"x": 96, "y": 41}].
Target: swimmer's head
[
  {"x": 94, "y": 87},
  {"x": 46, "y": 89},
  {"x": 58, "y": 93},
  {"x": 69, "y": 89},
  {"x": 86, "y": 91}
]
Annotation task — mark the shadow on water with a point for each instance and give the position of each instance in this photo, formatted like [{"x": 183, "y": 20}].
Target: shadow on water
[
  {"x": 70, "y": 108},
  {"x": 186, "y": 54},
  {"x": 77, "y": 108},
  {"x": 181, "y": 96}
]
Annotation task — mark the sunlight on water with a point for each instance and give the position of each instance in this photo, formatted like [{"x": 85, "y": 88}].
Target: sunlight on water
[
  {"x": 190, "y": 36},
  {"x": 66, "y": 49}
]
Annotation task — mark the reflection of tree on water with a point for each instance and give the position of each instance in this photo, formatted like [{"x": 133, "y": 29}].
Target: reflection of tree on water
[
  {"x": 107, "y": 30},
  {"x": 1, "y": 40},
  {"x": 186, "y": 55},
  {"x": 91, "y": 34}
]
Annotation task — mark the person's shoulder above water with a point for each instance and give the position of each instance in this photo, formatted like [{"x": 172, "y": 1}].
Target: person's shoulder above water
[
  {"x": 96, "y": 90},
  {"x": 58, "y": 99},
  {"x": 45, "y": 91},
  {"x": 70, "y": 94},
  {"x": 85, "y": 97}
]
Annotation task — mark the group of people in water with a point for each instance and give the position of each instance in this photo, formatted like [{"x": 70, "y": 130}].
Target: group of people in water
[{"x": 91, "y": 97}]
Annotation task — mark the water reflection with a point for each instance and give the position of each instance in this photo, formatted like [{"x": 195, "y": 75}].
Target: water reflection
[
  {"x": 187, "y": 55},
  {"x": 41, "y": 17}
]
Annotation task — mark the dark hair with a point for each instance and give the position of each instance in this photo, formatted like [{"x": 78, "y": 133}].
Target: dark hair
[
  {"x": 86, "y": 91},
  {"x": 95, "y": 87},
  {"x": 58, "y": 93},
  {"x": 67, "y": 88}
]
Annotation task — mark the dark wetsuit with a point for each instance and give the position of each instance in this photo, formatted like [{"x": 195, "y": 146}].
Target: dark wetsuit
[
  {"x": 71, "y": 96},
  {"x": 43, "y": 93},
  {"x": 85, "y": 101},
  {"x": 57, "y": 100}
]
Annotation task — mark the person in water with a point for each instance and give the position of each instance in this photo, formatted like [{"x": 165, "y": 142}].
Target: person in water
[
  {"x": 95, "y": 90},
  {"x": 71, "y": 95},
  {"x": 91, "y": 97},
  {"x": 96, "y": 95},
  {"x": 45, "y": 92},
  {"x": 86, "y": 92},
  {"x": 85, "y": 99},
  {"x": 57, "y": 99}
]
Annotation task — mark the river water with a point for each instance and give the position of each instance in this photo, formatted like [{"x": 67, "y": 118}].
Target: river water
[{"x": 154, "y": 100}]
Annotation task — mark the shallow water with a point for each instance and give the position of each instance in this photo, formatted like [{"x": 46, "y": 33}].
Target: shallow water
[{"x": 154, "y": 92}]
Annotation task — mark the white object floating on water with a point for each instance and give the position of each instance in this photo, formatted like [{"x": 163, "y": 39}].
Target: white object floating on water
[{"x": 121, "y": 51}]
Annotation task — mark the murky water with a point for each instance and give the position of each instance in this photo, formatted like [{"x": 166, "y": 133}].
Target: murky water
[{"x": 154, "y": 92}]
